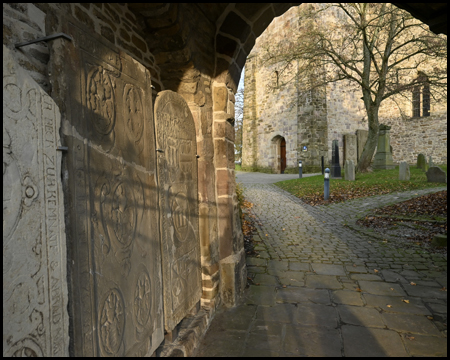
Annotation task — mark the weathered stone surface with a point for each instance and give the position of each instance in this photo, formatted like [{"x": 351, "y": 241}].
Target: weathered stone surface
[
  {"x": 361, "y": 316},
  {"x": 403, "y": 172},
  {"x": 177, "y": 179},
  {"x": 349, "y": 170},
  {"x": 35, "y": 318},
  {"x": 323, "y": 282},
  {"x": 328, "y": 269},
  {"x": 335, "y": 166},
  {"x": 315, "y": 341},
  {"x": 359, "y": 341},
  {"x": 383, "y": 157},
  {"x": 116, "y": 275},
  {"x": 298, "y": 295},
  {"x": 350, "y": 148},
  {"x": 436, "y": 174},
  {"x": 421, "y": 161}
]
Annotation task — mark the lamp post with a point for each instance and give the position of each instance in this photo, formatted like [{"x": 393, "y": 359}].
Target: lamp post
[
  {"x": 300, "y": 169},
  {"x": 326, "y": 185}
]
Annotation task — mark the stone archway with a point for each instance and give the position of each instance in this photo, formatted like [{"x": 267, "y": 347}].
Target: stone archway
[{"x": 196, "y": 50}]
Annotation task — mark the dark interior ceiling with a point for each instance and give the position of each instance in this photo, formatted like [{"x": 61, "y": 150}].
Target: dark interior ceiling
[{"x": 432, "y": 14}]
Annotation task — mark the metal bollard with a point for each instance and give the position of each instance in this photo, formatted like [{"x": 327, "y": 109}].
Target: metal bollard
[
  {"x": 300, "y": 169},
  {"x": 326, "y": 185}
]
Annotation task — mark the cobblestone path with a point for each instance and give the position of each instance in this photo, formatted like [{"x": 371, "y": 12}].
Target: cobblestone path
[{"x": 324, "y": 287}]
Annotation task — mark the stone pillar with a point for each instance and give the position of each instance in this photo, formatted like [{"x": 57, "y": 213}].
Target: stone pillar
[
  {"x": 350, "y": 148},
  {"x": 231, "y": 243},
  {"x": 361, "y": 136},
  {"x": 383, "y": 157},
  {"x": 404, "y": 173},
  {"x": 335, "y": 166},
  {"x": 349, "y": 170}
]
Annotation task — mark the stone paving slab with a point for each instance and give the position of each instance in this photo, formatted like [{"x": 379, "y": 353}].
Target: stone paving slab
[
  {"x": 421, "y": 345},
  {"x": 362, "y": 342},
  {"x": 362, "y": 316},
  {"x": 312, "y": 341},
  {"x": 381, "y": 288},
  {"x": 347, "y": 297},
  {"x": 396, "y": 304},
  {"x": 415, "y": 324},
  {"x": 322, "y": 282},
  {"x": 332, "y": 290},
  {"x": 328, "y": 269},
  {"x": 299, "y": 295}
]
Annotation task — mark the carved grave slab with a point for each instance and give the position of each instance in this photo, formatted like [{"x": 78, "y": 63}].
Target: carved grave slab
[
  {"x": 350, "y": 148},
  {"x": 112, "y": 207},
  {"x": 35, "y": 319},
  {"x": 177, "y": 179}
]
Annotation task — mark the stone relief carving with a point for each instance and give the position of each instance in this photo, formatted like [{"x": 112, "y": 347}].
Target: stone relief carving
[
  {"x": 35, "y": 318},
  {"x": 177, "y": 178},
  {"x": 113, "y": 213}
]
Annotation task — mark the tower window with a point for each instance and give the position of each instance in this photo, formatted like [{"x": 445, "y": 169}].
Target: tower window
[{"x": 421, "y": 97}]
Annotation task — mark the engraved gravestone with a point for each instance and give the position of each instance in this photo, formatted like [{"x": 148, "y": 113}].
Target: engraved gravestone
[
  {"x": 383, "y": 157},
  {"x": 350, "y": 148},
  {"x": 35, "y": 319},
  {"x": 349, "y": 170},
  {"x": 177, "y": 179},
  {"x": 112, "y": 205}
]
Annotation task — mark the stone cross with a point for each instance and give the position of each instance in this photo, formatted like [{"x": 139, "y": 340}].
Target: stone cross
[
  {"x": 436, "y": 174},
  {"x": 383, "y": 157},
  {"x": 335, "y": 167},
  {"x": 404, "y": 173},
  {"x": 349, "y": 170}
]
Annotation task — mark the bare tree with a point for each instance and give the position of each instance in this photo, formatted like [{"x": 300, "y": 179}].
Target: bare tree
[
  {"x": 377, "y": 47},
  {"x": 239, "y": 115}
]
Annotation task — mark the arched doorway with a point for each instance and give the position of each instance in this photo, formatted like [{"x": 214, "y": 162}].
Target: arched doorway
[{"x": 282, "y": 155}]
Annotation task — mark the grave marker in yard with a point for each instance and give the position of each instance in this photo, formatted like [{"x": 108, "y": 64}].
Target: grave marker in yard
[
  {"x": 383, "y": 157},
  {"x": 436, "y": 174},
  {"x": 349, "y": 170},
  {"x": 335, "y": 167},
  {"x": 421, "y": 162},
  {"x": 404, "y": 173}
]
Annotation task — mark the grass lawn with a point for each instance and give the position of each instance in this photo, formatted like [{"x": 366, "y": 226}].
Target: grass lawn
[{"x": 310, "y": 189}]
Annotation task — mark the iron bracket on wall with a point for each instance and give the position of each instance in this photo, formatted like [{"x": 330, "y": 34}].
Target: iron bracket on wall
[{"x": 46, "y": 38}]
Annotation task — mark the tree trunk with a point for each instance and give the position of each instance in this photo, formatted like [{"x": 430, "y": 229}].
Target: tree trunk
[{"x": 372, "y": 140}]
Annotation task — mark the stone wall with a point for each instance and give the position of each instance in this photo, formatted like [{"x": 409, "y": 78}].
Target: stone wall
[{"x": 114, "y": 22}]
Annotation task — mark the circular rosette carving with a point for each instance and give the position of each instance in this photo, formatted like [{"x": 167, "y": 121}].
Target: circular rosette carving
[
  {"x": 123, "y": 214},
  {"x": 100, "y": 99},
  {"x": 25, "y": 348},
  {"x": 133, "y": 112},
  {"x": 112, "y": 322},
  {"x": 12, "y": 188},
  {"x": 179, "y": 206},
  {"x": 142, "y": 300}
]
